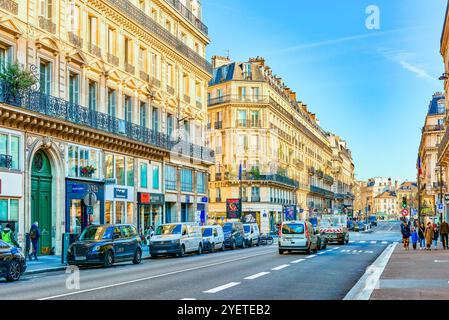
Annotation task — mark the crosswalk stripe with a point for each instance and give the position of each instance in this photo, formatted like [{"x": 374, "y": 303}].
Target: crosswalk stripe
[
  {"x": 384, "y": 242},
  {"x": 363, "y": 241}
]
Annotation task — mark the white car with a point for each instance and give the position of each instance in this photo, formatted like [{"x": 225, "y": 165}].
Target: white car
[
  {"x": 252, "y": 234},
  {"x": 213, "y": 238},
  {"x": 176, "y": 239},
  {"x": 298, "y": 236}
]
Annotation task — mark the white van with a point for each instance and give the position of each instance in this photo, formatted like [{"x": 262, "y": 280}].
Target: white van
[
  {"x": 213, "y": 238},
  {"x": 176, "y": 239},
  {"x": 298, "y": 236},
  {"x": 252, "y": 234}
]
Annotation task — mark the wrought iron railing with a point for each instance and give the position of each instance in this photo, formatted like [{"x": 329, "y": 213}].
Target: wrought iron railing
[
  {"x": 94, "y": 49},
  {"x": 10, "y": 5},
  {"x": 218, "y": 125},
  {"x": 5, "y": 161},
  {"x": 189, "y": 16},
  {"x": 321, "y": 191},
  {"x": 255, "y": 198},
  {"x": 156, "y": 82},
  {"x": 130, "y": 11},
  {"x": 431, "y": 128},
  {"x": 112, "y": 59},
  {"x": 130, "y": 68},
  {"x": 170, "y": 90},
  {"x": 75, "y": 40},
  {"x": 61, "y": 109},
  {"x": 144, "y": 76},
  {"x": 47, "y": 24},
  {"x": 187, "y": 98},
  {"x": 238, "y": 99}
]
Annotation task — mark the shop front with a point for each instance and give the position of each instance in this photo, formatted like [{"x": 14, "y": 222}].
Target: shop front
[
  {"x": 84, "y": 204},
  {"x": 201, "y": 214},
  {"x": 119, "y": 205},
  {"x": 11, "y": 202},
  {"x": 150, "y": 209},
  {"x": 187, "y": 207}
]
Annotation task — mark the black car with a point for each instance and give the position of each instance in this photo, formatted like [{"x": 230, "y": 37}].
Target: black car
[
  {"x": 105, "y": 245},
  {"x": 234, "y": 235},
  {"x": 12, "y": 262}
]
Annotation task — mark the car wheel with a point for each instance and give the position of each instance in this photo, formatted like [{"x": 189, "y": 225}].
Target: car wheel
[
  {"x": 200, "y": 249},
  {"x": 14, "y": 271},
  {"x": 182, "y": 251},
  {"x": 137, "y": 257},
  {"x": 108, "y": 259},
  {"x": 212, "y": 249},
  {"x": 281, "y": 251}
]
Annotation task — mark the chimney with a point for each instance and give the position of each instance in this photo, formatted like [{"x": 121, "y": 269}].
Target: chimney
[
  {"x": 396, "y": 185},
  {"x": 293, "y": 96},
  {"x": 260, "y": 61},
  {"x": 218, "y": 61}
]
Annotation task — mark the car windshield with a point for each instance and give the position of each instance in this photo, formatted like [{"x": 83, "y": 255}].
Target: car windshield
[
  {"x": 168, "y": 229},
  {"x": 293, "y": 228},
  {"x": 207, "y": 232},
  {"x": 227, "y": 227},
  {"x": 247, "y": 229},
  {"x": 96, "y": 233},
  {"x": 333, "y": 221}
]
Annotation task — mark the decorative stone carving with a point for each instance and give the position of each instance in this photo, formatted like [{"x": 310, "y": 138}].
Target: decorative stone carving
[{"x": 46, "y": 143}]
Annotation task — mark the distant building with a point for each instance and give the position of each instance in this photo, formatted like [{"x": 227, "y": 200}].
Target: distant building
[
  {"x": 409, "y": 190},
  {"x": 386, "y": 204}
]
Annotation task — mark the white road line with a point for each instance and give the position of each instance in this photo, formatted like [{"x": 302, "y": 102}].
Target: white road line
[
  {"x": 311, "y": 256},
  {"x": 336, "y": 248},
  {"x": 297, "y": 261},
  {"x": 154, "y": 277},
  {"x": 281, "y": 267},
  {"x": 188, "y": 299},
  {"x": 352, "y": 241},
  {"x": 223, "y": 287},
  {"x": 360, "y": 251},
  {"x": 363, "y": 241},
  {"x": 257, "y": 275},
  {"x": 384, "y": 242},
  {"x": 354, "y": 251},
  {"x": 373, "y": 242},
  {"x": 368, "y": 282},
  {"x": 322, "y": 253}
]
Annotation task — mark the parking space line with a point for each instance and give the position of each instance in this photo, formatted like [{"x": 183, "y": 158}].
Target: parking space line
[
  {"x": 257, "y": 275},
  {"x": 281, "y": 267},
  {"x": 311, "y": 256},
  {"x": 297, "y": 261},
  {"x": 223, "y": 287}
]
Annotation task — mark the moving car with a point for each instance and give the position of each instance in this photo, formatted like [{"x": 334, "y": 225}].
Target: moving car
[
  {"x": 12, "y": 262},
  {"x": 213, "y": 238},
  {"x": 335, "y": 228},
  {"x": 297, "y": 236},
  {"x": 234, "y": 235},
  {"x": 252, "y": 234},
  {"x": 176, "y": 239},
  {"x": 106, "y": 245},
  {"x": 373, "y": 221}
]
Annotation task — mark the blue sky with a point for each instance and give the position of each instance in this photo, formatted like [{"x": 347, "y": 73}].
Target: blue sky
[{"x": 372, "y": 87}]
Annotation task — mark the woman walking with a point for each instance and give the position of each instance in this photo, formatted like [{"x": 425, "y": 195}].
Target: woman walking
[
  {"x": 429, "y": 235},
  {"x": 405, "y": 229},
  {"x": 422, "y": 238},
  {"x": 436, "y": 236}
]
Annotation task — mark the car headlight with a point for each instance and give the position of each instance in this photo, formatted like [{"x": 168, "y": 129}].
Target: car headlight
[
  {"x": 69, "y": 250},
  {"x": 96, "y": 248}
]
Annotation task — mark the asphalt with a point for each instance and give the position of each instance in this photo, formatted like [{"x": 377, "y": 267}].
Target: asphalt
[{"x": 258, "y": 273}]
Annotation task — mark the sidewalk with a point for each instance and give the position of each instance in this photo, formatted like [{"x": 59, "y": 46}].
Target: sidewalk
[
  {"x": 414, "y": 275},
  {"x": 53, "y": 263}
]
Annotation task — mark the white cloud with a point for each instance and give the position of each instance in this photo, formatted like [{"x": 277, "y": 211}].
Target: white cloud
[{"x": 421, "y": 73}]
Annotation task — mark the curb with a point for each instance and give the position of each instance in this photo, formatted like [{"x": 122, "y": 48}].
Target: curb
[
  {"x": 37, "y": 271},
  {"x": 368, "y": 282}
]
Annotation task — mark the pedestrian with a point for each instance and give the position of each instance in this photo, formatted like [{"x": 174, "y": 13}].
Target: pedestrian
[
  {"x": 421, "y": 237},
  {"x": 429, "y": 235},
  {"x": 405, "y": 230},
  {"x": 9, "y": 236},
  {"x": 444, "y": 232},
  {"x": 35, "y": 234},
  {"x": 436, "y": 235},
  {"x": 414, "y": 238}
]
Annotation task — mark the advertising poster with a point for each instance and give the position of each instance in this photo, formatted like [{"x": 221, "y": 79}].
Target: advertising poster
[{"x": 233, "y": 208}]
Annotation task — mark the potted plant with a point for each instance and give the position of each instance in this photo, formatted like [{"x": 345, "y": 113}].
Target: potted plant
[
  {"x": 14, "y": 80},
  {"x": 255, "y": 173},
  {"x": 87, "y": 171}
]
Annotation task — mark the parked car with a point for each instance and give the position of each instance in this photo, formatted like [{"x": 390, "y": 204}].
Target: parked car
[
  {"x": 234, "y": 235},
  {"x": 252, "y": 234},
  {"x": 106, "y": 245},
  {"x": 297, "y": 236},
  {"x": 373, "y": 221},
  {"x": 176, "y": 239},
  {"x": 12, "y": 262},
  {"x": 213, "y": 238}
]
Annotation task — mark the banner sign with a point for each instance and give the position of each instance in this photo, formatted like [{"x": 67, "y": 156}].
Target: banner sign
[{"x": 233, "y": 208}]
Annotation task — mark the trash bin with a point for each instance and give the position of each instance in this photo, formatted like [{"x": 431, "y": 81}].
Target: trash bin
[{"x": 67, "y": 240}]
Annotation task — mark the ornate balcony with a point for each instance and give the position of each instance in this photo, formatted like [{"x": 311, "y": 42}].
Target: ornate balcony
[
  {"x": 75, "y": 40},
  {"x": 189, "y": 16},
  {"x": 218, "y": 125},
  {"x": 187, "y": 98},
  {"x": 113, "y": 59},
  {"x": 237, "y": 99},
  {"x": 323, "y": 192},
  {"x": 133, "y": 13},
  {"x": 130, "y": 68},
  {"x": 94, "y": 49},
  {"x": 47, "y": 25},
  {"x": 170, "y": 90},
  {"x": 144, "y": 76},
  {"x": 155, "y": 82},
  {"x": 199, "y": 104},
  {"x": 5, "y": 161},
  {"x": 10, "y": 6}
]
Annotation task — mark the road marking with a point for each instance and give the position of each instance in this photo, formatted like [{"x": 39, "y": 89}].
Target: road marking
[
  {"x": 336, "y": 248},
  {"x": 384, "y": 242},
  {"x": 373, "y": 242},
  {"x": 322, "y": 253},
  {"x": 363, "y": 241},
  {"x": 281, "y": 267},
  {"x": 354, "y": 251},
  {"x": 360, "y": 251},
  {"x": 188, "y": 299},
  {"x": 223, "y": 287},
  {"x": 156, "y": 276},
  {"x": 257, "y": 275},
  {"x": 310, "y": 257},
  {"x": 297, "y": 261},
  {"x": 352, "y": 241},
  {"x": 345, "y": 250},
  {"x": 368, "y": 282},
  {"x": 441, "y": 261}
]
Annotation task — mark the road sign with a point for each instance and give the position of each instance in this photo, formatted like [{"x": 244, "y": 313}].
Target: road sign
[
  {"x": 440, "y": 208},
  {"x": 446, "y": 197},
  {"x": 414, "y": 212},
  {"x": 405, "y": 212}
]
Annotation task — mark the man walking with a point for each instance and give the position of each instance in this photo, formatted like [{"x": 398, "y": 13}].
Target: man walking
[
  {"x": 422, "y": 241},
  {"x": 405, "y": 229},
  {"x": 35, "y": 234},
  {"x": 444, "y": 232}
]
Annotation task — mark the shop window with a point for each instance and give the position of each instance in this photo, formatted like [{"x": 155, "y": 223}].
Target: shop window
[
  {"x": 9, "y": 209},
  {"x": 170, "y": 178},
  {"x": 155, "y": 177},
  {"x": 119, "y": 212},
  {"x": 120, "y": 168},
  {"x": 108, "y": 212},
  {"x": 143, "y": 175},
  {"x": 83, "y": 162},
  {"x": 130, "y": 172},
  {"x": 129, "y": 212},
  {"x": 186, "y": 180},
  {"x": 200, "y": 182},
  {"x": 9, "y": 147}
]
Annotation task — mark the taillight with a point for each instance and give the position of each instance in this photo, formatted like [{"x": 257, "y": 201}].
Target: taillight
[{"x": 307, "y": 231}]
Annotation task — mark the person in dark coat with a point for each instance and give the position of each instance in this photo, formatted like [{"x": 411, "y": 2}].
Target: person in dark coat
[
  {"x": 421, "y": 236},
  {"x": 436, "y": 235},
  {"x": 35, "y": 234},
  {"x": 444, "y": 232},
  {"x": 405, "y": 229}
]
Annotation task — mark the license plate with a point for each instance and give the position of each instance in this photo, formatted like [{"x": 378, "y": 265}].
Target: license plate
[
  {"x": 162, "y": 251},
  {"x": 80, "y": 258}
]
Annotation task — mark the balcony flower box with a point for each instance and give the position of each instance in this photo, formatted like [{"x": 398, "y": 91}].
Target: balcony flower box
[{"x": 87, "y": 171}]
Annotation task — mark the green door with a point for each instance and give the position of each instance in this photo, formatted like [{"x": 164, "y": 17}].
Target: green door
[{"x": 41, "y": 180}]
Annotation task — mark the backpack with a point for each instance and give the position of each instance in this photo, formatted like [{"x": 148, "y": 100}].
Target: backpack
[{"x": 33, "y": 234}]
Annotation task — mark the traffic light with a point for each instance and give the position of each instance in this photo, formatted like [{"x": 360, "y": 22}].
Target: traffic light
[{"x": 404, "y": 202}]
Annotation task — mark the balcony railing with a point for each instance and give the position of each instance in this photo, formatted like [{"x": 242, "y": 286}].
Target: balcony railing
[
  {"x": 238, "y": 99},
  {"x": 130, "y": 68},
  {"x": 61, "y": 109},
  {"x": 47, "y": 24},
  {"x": 255, "y": 198},
  {"x": 326, "y": 193},
  {"x": 156, "y": 82},
  {"x": 218, "y": 125},
  {"x": 143, "y": 20},
  {"x": 170, "y": 90},
  {"x": 218, "y": 176},
  {"x": 189, "y": 16},
  {"x": 112, "y": 59},
  {"x": 75, "y": 40},
  {"x": 186, "y": 98},
  {"x": 5, "y": 161},
  {"x": 144, "y": 76},
  {"x": 432, "y": 128},
  {"x": 94, "y": 49},
  {"x": 10, "y": 5},
  {"x": 265, "y": 177}
]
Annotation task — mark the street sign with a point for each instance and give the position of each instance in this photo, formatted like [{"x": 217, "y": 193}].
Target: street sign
[
  {"x": 405, "y": 212},
  {"x": 414, "y": 212},
  {"x": 446, "y": 197},
  {"x": 440, "y": 208}
]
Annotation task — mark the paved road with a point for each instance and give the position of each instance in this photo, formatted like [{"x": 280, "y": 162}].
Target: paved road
[{"x": 248, "y": 274}]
